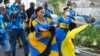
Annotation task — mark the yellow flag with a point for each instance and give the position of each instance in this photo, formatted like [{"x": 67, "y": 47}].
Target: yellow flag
[{"x": 67, "y": 46}]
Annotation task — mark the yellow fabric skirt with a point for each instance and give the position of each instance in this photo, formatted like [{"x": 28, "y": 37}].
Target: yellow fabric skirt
[{"x": 67, "y": 46}]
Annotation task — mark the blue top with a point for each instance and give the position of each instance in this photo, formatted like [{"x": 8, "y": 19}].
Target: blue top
[
  {"x": 42, "y": 25},
  {"x": 65, "y": 21},
  {"x": 18, "y": 22},
  {"x": 15, "y": 7},
  {"x": 8, "y": 9},
  {"x": 9, "y": 12},
  {"x": 72, "y": 12},
  {"x": 33, "y": 16},
  {"x": 2, "y": 20},
  {"x": 48, "y": 11},
  {"x": 37, "y": 24}
]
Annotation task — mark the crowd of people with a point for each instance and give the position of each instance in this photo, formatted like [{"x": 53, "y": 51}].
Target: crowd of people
[{"x": 40, "y": 36}]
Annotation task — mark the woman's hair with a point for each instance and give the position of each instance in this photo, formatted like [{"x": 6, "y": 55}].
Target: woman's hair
[
  {"x": 5, "y": 1},
  {"x": 64, "y": 9},
  {"x": 37, "y": 10}
]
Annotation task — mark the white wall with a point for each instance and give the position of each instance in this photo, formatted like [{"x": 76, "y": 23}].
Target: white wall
[{"x": 95, "y": 12}]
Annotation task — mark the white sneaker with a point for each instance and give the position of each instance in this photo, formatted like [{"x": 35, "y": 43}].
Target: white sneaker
[{"x": 76, "y": 51}]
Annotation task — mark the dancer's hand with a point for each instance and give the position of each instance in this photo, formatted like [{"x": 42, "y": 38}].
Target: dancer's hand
[
  {"x": 85, "y": 23},
  {"x": 41, "y": 29}
]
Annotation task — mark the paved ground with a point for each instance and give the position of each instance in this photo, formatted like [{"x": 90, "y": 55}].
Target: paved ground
[
  {"x": 20, "y": 53},
  {"x": 86, "y": 54}
]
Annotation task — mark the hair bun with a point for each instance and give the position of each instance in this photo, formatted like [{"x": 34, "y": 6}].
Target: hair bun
[{"x": 66, "y": 8}]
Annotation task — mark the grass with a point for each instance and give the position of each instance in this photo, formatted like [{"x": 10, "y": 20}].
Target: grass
[{"x": 86, "y": 37}]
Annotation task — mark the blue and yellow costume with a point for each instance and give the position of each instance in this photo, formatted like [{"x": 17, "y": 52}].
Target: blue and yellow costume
[
  {"x": 39, "y": 40},
  {"x": 62, "y": 29},
  {"x": 64, "y": 36}
]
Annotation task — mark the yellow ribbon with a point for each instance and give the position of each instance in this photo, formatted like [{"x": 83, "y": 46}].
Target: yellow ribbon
[{"x": 67, "y": 46}]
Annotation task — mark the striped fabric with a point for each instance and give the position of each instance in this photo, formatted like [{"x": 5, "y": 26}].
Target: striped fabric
[{"x": 39, "y": 40}]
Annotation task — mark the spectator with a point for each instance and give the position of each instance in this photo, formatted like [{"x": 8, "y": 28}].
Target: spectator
[
  {"x": 69, "y": 3},
  {"x": 47, "y": 10},
  {"x": 17, "y": 19},
  {"x": 4, "y": 39},
  {"x": 7, "y": 5},
  {"x": 31, "y": 10},
  {"x": 30, "y": 13}
]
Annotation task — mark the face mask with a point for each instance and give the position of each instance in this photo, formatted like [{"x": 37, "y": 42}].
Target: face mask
[
  {"x": 16, "y": 4},
  {"x": 67, "y": 13},
  {"x": 8, "y": 5}
]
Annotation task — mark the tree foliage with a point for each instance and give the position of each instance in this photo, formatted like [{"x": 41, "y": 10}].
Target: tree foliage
[{"x": 56, "y": 5}]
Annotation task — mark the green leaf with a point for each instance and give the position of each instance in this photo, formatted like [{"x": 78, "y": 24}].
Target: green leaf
[
  {"x": 62, "y": 1},
  {"x": 55, "y": 5}
]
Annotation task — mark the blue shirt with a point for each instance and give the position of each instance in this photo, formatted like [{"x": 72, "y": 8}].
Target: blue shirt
[
  {"x": 15, "y": 7},
  {"x": 2, "y": 20},
  {"x": 65, "y": 21},
  {"x": 47, "y": 11},
  {"x": 33, "y": 16},
  {"x": 72, "y": 12},
  {"x": 18, "y": 22},
  {"x": 9, "y": 12}
]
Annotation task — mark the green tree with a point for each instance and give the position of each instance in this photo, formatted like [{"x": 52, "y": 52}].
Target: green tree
[{"x": 56, "y": 5}]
